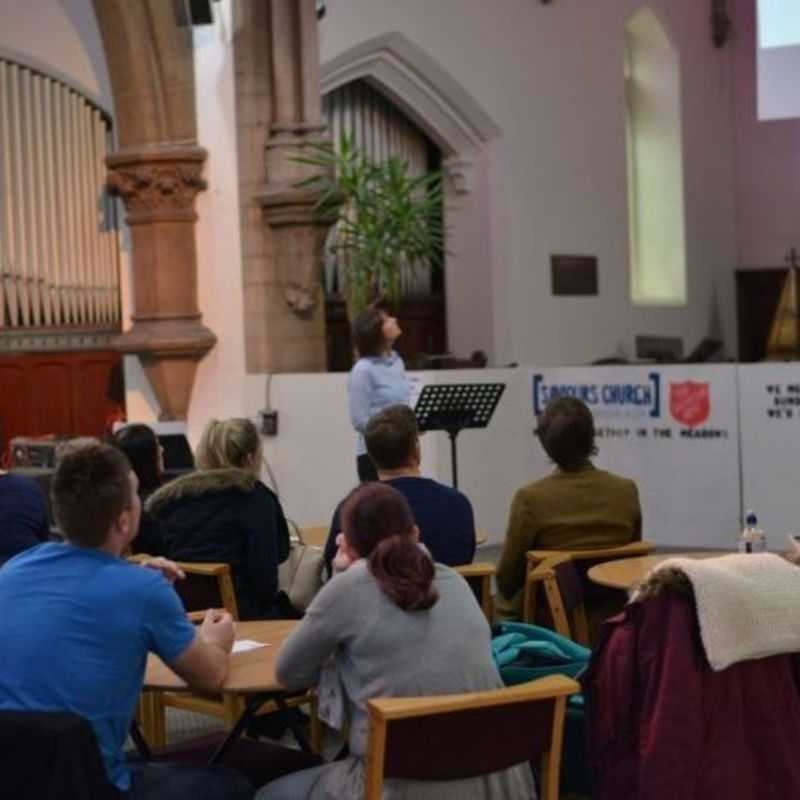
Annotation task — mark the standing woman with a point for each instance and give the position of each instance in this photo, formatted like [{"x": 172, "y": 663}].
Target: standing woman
[
  {"x": 146, "y": 456},
  {"x": 224, "y": 513},
  {"x": 378, "y": 379},
  {"x": 391, "y": 623}
]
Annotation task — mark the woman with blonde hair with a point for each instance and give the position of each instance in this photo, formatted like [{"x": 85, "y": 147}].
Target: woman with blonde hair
[{"x": 224, "y": 513}]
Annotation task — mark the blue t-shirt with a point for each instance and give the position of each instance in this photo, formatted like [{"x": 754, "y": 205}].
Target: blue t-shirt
[
  {"x": 76, "y": 628},
  {"x": 23, "y": 515},
  {"x": 444, "y": 517},
  {"x": 374, "y": 383}
]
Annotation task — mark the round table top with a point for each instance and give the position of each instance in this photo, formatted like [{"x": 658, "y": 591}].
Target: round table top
[
  {"x": 624, "y": 573},
  {"x": 250, "y": 671}
]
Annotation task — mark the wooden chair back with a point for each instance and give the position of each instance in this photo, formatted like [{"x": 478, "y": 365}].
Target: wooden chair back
[
  {"x": 479, "y": 577},
  {"x": 554, "y": 597},
  {"x": 453, "y": 737},
  {"x": 316, "y": 535},
  {"x": 207, "y": 585},
  {"x": 585, "y": 559}
]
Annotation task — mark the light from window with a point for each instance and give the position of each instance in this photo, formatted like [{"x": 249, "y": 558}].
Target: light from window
[{"x": 655, "y": 164}]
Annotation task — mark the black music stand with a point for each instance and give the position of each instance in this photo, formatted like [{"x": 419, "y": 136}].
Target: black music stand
[{"x": 452, "y": 407}]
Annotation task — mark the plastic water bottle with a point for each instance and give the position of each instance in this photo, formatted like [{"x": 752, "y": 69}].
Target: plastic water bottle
[{"x": 753, "y": 539}]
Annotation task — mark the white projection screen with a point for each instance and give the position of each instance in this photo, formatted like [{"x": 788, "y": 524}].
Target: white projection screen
[{"x": 778, "y": 45}]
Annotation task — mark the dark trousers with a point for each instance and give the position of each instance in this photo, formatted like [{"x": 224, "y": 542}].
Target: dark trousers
[
  {"x": 366, "y": 469},
  {"x": 178, "y": 782}
]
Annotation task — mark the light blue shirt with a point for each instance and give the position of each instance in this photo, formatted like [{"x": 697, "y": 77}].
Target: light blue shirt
[
  {"x": 76, "y": 628},
  {"x": 375, "y": 382}
]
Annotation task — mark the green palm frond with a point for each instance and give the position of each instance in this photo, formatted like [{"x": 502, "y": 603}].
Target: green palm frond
[{"x": 386, "y": 217}]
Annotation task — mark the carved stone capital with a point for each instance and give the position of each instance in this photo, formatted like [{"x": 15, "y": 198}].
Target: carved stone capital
[
  {"x": 460, "y": 174},
  {"x": 158, "y": 184},
  {"x": 299, "y": 237}
]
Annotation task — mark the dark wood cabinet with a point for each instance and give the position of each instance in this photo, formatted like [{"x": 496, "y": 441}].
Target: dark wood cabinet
[
  {"x": 758, "y": 292},
  {"x": 59, "y": 394},
  {"x": 421, "y": 318}
]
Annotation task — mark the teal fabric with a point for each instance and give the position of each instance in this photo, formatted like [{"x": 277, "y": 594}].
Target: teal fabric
[{"x": 527, "y": 652}]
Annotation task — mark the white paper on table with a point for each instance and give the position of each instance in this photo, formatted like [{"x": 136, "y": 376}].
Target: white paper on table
[{"x": 243, "y": 645}]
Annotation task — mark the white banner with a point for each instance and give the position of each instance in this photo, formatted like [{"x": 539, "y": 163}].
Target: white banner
[
  {"x": 671, "y": 429},
  {"x": 770, "y": 422}
]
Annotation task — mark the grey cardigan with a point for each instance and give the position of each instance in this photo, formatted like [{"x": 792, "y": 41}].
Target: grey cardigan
[{"x": 382, "y": 651}]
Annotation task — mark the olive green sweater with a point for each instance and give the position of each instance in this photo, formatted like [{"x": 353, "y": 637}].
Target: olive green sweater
[{"x": 587, "y": 509}]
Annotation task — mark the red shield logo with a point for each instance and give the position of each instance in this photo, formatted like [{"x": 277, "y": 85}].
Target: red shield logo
[{"x": 689, "y": 402}]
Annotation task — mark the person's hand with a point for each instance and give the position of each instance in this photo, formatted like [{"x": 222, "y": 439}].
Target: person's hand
[
  {"x": 169, "y": 569},
  {"x": 218, "y": 629},
  {"x": 342, "y": 560}
]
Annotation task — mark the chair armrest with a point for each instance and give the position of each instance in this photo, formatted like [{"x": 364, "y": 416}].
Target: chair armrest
[{"x": 476, "y": 570}]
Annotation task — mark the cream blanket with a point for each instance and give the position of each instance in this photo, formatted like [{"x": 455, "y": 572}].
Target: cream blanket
[{"x": 748, "y": 605}]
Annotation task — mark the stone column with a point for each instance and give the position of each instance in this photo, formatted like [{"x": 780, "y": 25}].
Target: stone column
[
  {"x": 279, "y": 108},
  {"x": 158, "y": 185},
  {"x": 157, "y": 172}
]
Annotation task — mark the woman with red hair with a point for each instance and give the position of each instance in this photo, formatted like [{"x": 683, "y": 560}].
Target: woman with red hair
[{"x": 390, "y": 623}]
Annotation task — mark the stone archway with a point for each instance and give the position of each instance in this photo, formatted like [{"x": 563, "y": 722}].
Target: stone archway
[
  {"x": 425, "y": 92},
  {"x": 464, "y": 132},
  {"x": 157, "y": 171}
]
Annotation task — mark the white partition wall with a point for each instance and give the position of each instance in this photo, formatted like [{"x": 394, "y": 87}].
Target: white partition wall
[
  {"x": 674, "y": 431},
  {"x": 313, "y": 456},
  {"x": 770, "y": 424}
]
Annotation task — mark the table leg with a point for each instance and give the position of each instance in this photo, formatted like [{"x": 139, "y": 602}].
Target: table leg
[
  {"x": 250, "y": 709},
  {"x": 253, "y": 704}
]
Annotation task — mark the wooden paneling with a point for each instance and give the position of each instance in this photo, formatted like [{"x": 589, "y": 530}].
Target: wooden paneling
[
  {"x": 13, "y": 394},
  {"x": 58, "y": 394},
  {"x": 50, "y": 394}
]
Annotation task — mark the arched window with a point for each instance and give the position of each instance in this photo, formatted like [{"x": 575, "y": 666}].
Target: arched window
[
  {"x": 655, "y": 163},
  {"x": 58, "y": 233}
]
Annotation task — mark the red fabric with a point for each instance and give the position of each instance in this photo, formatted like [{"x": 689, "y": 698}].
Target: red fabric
[{"x": 664, "y": 726}]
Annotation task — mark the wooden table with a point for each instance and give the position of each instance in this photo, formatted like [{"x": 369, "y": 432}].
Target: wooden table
[
  {"x": 249, "y": 672},
  {"x": 251, "y": 675},
  {"x": 624, "y": 573}
]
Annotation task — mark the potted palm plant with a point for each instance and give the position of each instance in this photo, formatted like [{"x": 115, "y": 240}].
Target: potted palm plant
[{"x": 386, "y": 220}]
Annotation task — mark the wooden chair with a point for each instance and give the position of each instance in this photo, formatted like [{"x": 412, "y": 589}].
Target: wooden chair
[
  {"x": 600, "y": 602},
  {"x": 207, "y": 585},
  {"x": 554, "y": 597},
  {"x": 585, "y": 559},
  {"x": 479, "y": 577},
  {"x": 465, "y": 728}
]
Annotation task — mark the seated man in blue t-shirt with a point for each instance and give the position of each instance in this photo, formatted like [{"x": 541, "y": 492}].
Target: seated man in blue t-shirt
[
  {"x": 444, "y": 515},
  {"x": 79, "y": 621}
]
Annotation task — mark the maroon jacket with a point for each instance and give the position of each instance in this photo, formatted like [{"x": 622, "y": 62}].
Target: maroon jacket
[{"x": 664, "y": 726}]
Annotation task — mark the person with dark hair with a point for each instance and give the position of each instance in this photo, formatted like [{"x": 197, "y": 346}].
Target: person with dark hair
[
  {"x": 378, "y": 379},
  {"x": 390, "y": 624},
  {"x": 146, "y": 456},
  {"x": 576, "y": 507},
  {"x": 443, "y": 514},
  {"x": 23, "y": 515},
  {"x": 80, "y": 622}
]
